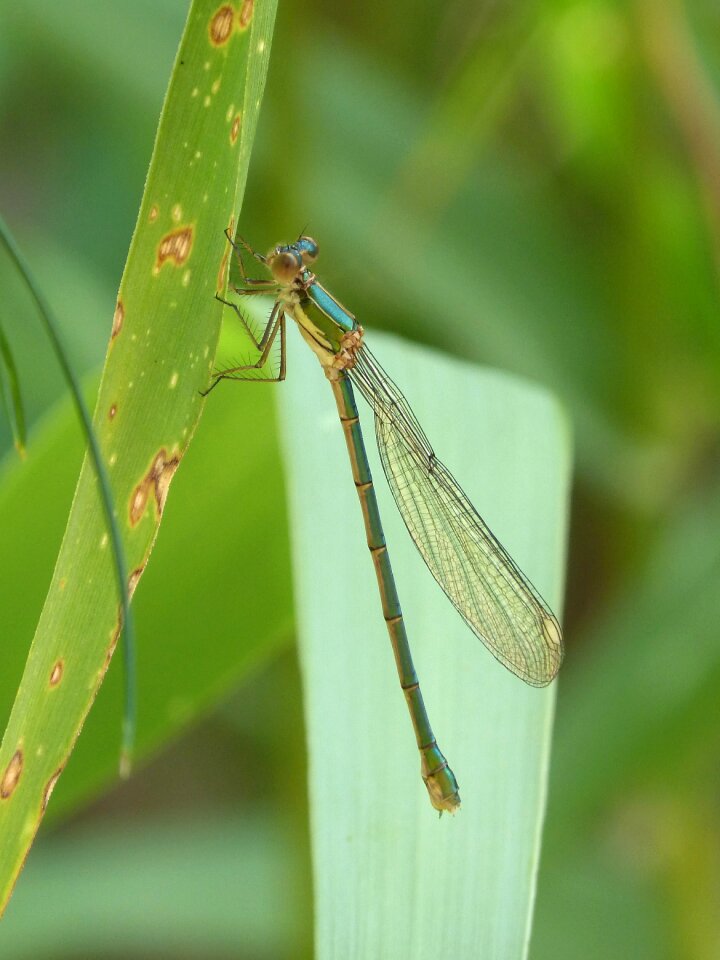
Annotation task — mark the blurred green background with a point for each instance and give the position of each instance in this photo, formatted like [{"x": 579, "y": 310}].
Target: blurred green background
[{"x": 532, "y": 186}]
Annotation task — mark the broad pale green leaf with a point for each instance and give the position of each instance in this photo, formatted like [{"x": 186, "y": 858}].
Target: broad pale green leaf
[
  {"x": 391, "y": 879},
  {"x": 162, "y": 347}
]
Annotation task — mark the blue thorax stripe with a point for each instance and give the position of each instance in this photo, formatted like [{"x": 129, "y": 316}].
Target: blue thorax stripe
[{"x": 330, "y": 307}]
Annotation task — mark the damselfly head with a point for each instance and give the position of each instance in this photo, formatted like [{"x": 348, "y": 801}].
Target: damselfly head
[
  {"x": 286, "y": 260},
  {"x": 284, "y": 263}
]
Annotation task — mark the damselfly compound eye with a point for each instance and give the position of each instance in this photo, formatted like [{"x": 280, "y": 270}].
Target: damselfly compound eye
[
  {"x": 309, "y": 249},
  {"x": 284, "y": 265}
]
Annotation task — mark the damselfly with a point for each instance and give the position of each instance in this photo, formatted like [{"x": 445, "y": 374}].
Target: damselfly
[{"x": 493, "y": 596}]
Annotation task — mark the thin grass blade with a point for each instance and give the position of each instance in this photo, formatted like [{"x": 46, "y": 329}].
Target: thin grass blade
[
  {"x": 10, "y": 390},
  {"x": 52, "y": 332}
]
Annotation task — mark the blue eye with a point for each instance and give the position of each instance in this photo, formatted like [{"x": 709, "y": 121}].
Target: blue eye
[{"x": 308, "y": 248}]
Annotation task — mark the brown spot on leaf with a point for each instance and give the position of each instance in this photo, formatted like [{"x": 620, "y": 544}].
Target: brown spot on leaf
[
  {"x": 175, "y": 247},
  {"x": 222, "y": 272},
  {"x": 133, "y": 580},
  {"x": 62, "y": 583},
  {"x": 112, "y": 411},
  {"x": 49, "y": 787},
  {"x": 154, "y": 213},
  {"x": 11, "y": 777},
  {"x": 118, "y": 318},
  {"x": 114, "y": 637},
  {"x": 138, "y": 502},
  {"x": 246, "y": 12},
  {"x": 235, "y": 128},
  {"x": 157, "y": 480},
  {"x": 56, "y": 673},
  {"x": 163, "y": 482},
  {"x": 221, "y": 25}
]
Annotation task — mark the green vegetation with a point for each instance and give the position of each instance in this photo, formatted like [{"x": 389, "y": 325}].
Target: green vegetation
[{"x": 530, "y": 186}]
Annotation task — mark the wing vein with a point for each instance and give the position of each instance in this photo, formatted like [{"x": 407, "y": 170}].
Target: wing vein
[{"x": 493, "y": 596}]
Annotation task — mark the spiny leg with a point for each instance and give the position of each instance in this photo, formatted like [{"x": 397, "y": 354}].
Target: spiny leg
[
  {"x": 251, "y": 250},
  {"x": 276, "y": 319},
  {"x": 235, "y": 373},
  {"x": 258, "y": 344},
  {"x": 281, "y": 374},
  {"x": 253, "y": 281}
]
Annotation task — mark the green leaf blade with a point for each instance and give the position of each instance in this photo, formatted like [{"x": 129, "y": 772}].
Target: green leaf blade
[
  {"x": 162, "y": 347},
  {"x": 390, "y": 879}
]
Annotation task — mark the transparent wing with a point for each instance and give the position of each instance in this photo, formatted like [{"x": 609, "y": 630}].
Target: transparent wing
[{"x": 494, "y": 598}]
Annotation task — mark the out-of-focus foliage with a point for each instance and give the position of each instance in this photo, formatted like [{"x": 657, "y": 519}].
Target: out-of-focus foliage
[{"x": 533, "y": 185}]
